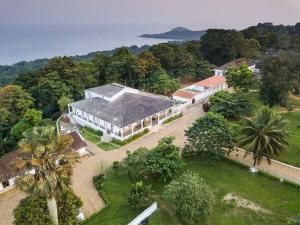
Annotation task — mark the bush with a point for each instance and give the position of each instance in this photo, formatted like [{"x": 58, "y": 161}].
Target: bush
[
  {"x": 139, "y": 195},
  {"x": 169, "y": 120},
  {"x": 33, "y": 210},
  {"x": 115, "y": 164},
  {"x": 231, "y": 106},
  {"x": 295, "y": 221},
  {"x": 191, "y": 198},
  {"x": 93, "y": 131},
  {"x": 98, "y": 183},
  {"x": 162, "y": 162},
  {"x": 131, "y": 139},
  {"x": 208, "y": 137}
]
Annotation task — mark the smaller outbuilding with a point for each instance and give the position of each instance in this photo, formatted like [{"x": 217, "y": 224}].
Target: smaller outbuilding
[
  {"x": 220, "y": 71},
  {"x": 200, "y": 90},
  {"x": 8, "y": 173}
]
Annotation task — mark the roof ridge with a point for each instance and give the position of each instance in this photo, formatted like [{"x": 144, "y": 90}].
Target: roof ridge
[{"x": 122, "y": 115}]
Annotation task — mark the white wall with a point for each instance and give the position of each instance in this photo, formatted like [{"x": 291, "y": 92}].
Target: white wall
[
  {"x": 181, "y": 99},
  {"x": 219, "y": 72}
]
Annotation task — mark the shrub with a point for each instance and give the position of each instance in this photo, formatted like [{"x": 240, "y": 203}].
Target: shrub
[
  {"x": 208, "y": 137},
  {"x": 191, "y": 198},
  {"x": 229, "y": 105},
  {"x": 169, "y": 120},
  {"x": 93, "y": 131},
  {"x": 295, "y": 221},
  {"x": 131, "y": 139},
  {"x": 139, "y": 195},
  {"x": 33, "y": 210},
  {"x": 163, "y": 161},
  {"x": 115, "y": 164}
]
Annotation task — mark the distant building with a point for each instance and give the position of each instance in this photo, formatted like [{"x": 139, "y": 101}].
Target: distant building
[
  {"x": 120, "y": 111},
  {"x": 200, "y": 90},
  {"x": 220, "y": 71},
  {"x": 8, "y": 174}
]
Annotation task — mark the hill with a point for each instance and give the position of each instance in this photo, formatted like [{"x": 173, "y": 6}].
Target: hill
[{"x": 178, "y": 33}]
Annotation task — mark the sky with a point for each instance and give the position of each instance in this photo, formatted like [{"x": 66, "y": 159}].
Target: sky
[{"x": 195, "y": 14}]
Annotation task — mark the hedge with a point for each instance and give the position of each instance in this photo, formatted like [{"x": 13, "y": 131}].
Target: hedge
[{"x": 131, "y": 139}]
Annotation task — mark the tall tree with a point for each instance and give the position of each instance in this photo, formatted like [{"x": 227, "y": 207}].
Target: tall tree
[
  {"x": 51, "y": 161},
  {"x": 166, "y": 55},
  {"x": 281, "y": 74},
  {"x": 16, "y": 100},
  {"x": 240, "y": 79},
  {"x": 208, "y": 137},
  {"x": 264, "y": 135},
  {"x": 162, "y": 83},
  {"x": 217, "y": 45}
]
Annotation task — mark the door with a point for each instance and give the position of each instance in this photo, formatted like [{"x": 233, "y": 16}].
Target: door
[{"x": 193, "y": 101}]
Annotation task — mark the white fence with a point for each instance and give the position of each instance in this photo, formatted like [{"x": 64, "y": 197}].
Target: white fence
[{"x": 144, "y": 215}]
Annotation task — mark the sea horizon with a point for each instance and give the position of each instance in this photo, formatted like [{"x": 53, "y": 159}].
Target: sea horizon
[{"x": 35, "y": 41}]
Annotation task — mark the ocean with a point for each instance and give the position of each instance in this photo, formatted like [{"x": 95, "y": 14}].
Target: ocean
[{"x": 29, "y": 42}]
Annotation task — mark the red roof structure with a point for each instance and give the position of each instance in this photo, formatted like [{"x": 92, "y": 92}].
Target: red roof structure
[
  {"x": 185, "y": 94},
  {"x": 211, "y": 82}
]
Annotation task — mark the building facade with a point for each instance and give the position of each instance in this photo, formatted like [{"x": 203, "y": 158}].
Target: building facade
[{"x": 119, "y": 111}]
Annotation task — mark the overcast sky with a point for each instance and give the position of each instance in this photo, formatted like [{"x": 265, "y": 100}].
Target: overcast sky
[{"x": 191, "y": 13}]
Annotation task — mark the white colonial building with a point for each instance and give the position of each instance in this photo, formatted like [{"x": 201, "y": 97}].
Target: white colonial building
[
  {"x": 119, "y": 111},
  {"x": 200, "y": 90},
  {"x": 220, "y": 71}
]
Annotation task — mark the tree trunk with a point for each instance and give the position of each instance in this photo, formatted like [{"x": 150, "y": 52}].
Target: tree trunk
[
  {"x": 52, "y": 207},
  {"x": 254, "y": 164}
]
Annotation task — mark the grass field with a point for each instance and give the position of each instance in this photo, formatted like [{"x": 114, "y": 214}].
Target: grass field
[
  {"x": 106, "y": 146},
  {"x": 224, "y": 177},
  {"x": 292, "y": 153},
  {"x": 90, "y": 136}
]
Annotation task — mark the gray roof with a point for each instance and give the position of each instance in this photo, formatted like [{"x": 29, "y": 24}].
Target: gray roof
[
  {"x": 125, "y": 110},
  {"x": 107, "y": 90}
]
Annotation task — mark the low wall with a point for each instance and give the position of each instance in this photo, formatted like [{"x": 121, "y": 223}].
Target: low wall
[{"x": 278, "y": 169}]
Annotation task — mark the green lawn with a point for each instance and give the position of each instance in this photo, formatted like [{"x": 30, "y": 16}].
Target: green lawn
[
  {"x": 90, "y": 136},
  {"x": 253, "y": 97},
  {"x": 292, "y": 153},
  {"x": 106, "y": 146},
  {"x": 224, "y": 177}
]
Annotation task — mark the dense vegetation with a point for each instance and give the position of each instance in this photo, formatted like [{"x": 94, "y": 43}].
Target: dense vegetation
[
  {"x": 33, "y": 210},
  {"x": 47, "y": 86}
]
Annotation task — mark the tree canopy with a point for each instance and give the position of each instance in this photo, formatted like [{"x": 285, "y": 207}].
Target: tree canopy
[{"x": 208, "y": 137}]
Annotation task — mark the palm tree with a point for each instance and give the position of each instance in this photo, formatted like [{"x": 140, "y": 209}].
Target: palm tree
[
  {"x": 49, "y": 160},
  {"x": 264, "y": 135}
]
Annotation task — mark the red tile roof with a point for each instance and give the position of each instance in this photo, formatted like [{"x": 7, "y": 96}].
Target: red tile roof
[
  {"x": 211, "y": 82},
  {"x": 185, "y": 94}
]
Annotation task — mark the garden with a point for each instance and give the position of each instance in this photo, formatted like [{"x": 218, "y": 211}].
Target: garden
[{"x": 224, "y": 177}]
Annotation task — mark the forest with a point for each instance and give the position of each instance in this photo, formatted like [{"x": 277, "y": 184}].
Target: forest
[{"x": 39, "y": 94}]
